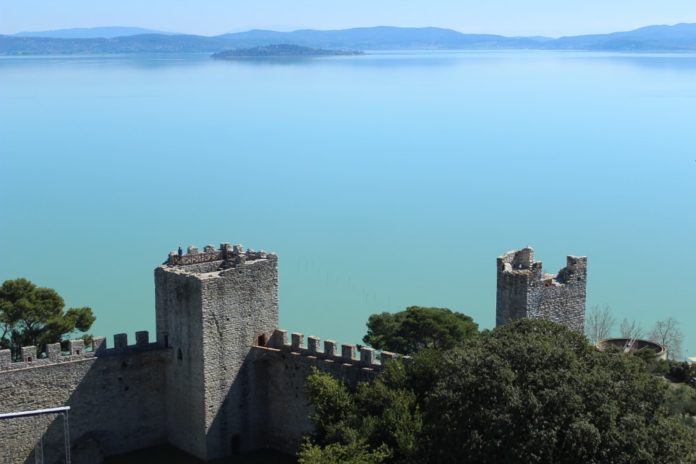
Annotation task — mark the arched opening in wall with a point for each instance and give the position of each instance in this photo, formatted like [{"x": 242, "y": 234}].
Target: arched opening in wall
[
  {"x": 235, "y": 445},
  {"x": 179, "y": 354},
  {"x": 262, "y": 340}
]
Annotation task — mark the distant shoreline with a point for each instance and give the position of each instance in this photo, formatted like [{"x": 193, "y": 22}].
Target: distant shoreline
[{"x": 679, "y": 38}]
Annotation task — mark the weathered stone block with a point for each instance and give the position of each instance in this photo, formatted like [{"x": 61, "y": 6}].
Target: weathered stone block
[
  {"x": 279, "y": 339},
  {"x": 297, "y": 339},
  {"x": 28, "y": 354},
  {"x": 142, "y": 339},
  {"x": 5, "y": 359},
  {"x": 53, "y": 351},
  {"x": 330, "y": 349},
  {"x": 98, "y": 345},
  {"x": 386, "y": 357},
  {"x": 76, "y": 347},
  {"x": 348, "y": 352},
  {"x": 367, "y": 356},
  {"x": 313, "y": 344},
  {"x": 121, "y": 341}
]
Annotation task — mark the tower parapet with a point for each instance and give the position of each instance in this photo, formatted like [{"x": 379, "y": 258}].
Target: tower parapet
[{"x": 524, "y": 290}]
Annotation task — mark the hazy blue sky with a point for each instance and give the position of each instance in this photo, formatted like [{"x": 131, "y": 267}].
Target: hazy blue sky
[{"x": 510, "y": 17}]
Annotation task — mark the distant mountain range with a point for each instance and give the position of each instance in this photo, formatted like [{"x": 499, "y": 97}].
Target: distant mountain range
[
  {"x": 91, "y": 33},
  {"x": 678, "y": 38}
]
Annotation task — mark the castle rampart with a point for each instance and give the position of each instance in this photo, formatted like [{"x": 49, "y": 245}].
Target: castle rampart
[
  {"x": 115, "y": 395},
  {"x": 283, "y": 367},
  {"x": 524, "y": 290},
  {"x": 221, "y": 378}
]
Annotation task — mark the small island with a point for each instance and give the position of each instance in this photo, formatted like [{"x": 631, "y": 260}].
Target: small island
[{"x": 281, "y": 51}]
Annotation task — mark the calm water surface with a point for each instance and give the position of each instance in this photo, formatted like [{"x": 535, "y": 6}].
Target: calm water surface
[{"x": 382, "y": 181}]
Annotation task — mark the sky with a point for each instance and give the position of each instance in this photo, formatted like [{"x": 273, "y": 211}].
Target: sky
[{"x": 210, "y": 17}]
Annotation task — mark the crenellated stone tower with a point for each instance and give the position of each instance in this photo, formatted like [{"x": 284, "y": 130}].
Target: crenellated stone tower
[
  {"x": 211, "y": 308},
  {"x": 524, "y": 290}
]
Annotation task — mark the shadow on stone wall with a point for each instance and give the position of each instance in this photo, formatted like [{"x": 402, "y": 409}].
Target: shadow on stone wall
[{"x": 116, "y": 401}]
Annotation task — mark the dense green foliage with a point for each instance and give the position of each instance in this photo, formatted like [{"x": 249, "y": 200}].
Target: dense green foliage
[
  {"x": 416, "y": 328},
  {"x": 377, "y": 422},
  {"x": 531, "y": 391},
  {"x": 35, "y": 316}
]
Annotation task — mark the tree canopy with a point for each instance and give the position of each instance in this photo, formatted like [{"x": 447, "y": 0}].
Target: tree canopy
[
  {"x": 35, "y": 316},
  {"x": 417, "y": 327},
  {"x": 531, "y": 391}
]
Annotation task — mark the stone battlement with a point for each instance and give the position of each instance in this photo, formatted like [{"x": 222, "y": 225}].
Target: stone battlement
[
  {"x": 363, "y": 357},
  {"x": 230, "y": 254},
  {"x": 522, "y": 262},
  {"x": 77, "y": 350}
]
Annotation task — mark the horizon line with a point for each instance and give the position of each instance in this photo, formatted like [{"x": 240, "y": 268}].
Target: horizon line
[{"x": 161, "y": 32}]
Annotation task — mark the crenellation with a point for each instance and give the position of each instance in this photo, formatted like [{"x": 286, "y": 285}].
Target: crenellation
[
  {"x": 28, "y": 354},
  {"x": 5, "y": 359},
  {"x": 142, "y": 339},
  {"x": 76, "y": 347},
  {"x": 297, "y": 339},
  {"x": 348, "y": 353},
  {"x": 330, "y": 349},
  {"x": 313, "y": 345},
  {"x": 98, "y": 345},
  {"x": 367, "y": 356},
  {"x": 386, "y": 357},
  {"x": 229, "y": 256},
  {"x": 120, "y": 341},
  {"x": 279, "y": 339},
  {"x": 53, "y": 352}
]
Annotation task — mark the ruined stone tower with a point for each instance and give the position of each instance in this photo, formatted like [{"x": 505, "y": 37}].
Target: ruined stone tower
[
  {"x": 525, "y": 291},
  {"x": 211, "y": 308}
]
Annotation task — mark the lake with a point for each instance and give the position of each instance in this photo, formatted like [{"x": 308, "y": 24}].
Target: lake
[{"x": 382, "y": 181}]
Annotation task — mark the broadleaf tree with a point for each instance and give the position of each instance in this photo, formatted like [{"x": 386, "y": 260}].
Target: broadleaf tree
[{"x": 529, "y": 391}]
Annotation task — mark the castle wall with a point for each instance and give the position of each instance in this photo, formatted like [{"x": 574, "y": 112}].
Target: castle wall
[
  {"x": 282, "y": 369},
  {"x": 115, "y": 396}
]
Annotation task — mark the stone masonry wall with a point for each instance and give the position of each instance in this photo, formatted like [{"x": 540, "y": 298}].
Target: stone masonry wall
[
  {"x": 240, "y": 306},
  {"x": 525, "y": 291},
  {"x": 282, "y": 369},
  {"x": 213, "y": 306},
  {"x": 179, "y": 319},
  {"x": 115, "y": 395}
]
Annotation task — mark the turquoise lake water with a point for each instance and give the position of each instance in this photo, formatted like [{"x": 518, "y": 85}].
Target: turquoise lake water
[{"x": 382, "y": 181}]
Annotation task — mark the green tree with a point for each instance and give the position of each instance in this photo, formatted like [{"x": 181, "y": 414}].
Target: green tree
[
  {"x": 531, "y": 391},
  {"x": 534, "y": 391},
  {"x": 379, "y": 422},
  {"x": 416, "y": 328},
  {"x": 35, "y": 316}
]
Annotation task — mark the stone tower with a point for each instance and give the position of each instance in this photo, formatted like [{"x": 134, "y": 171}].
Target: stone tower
[
  {"x": 211, "y": 308},
  {"x": 525, "y": 291}
]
